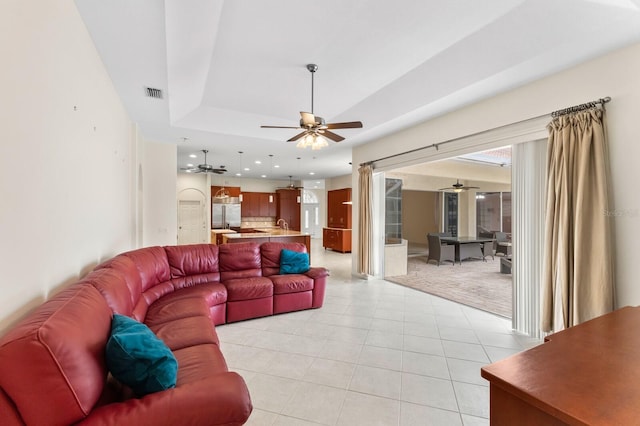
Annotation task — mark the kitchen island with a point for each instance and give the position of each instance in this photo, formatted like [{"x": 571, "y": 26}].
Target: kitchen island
[{"x": 262, "y": 235}]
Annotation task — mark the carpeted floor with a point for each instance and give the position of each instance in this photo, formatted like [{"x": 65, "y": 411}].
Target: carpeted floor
[{"x": 474, "y": 283}]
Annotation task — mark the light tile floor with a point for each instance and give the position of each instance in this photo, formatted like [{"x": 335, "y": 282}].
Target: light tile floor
[{"x": 376, "y": 353}]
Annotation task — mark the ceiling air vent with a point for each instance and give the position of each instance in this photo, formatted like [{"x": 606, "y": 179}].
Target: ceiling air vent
[{"x": 153, "y": 93}]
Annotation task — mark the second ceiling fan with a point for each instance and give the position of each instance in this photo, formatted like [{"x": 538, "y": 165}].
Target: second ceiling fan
[
  {"x": 458, "y": 187},
  {"x": 315, "y": 126}
]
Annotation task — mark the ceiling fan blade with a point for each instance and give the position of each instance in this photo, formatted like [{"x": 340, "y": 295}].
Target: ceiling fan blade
[
  {"x": 308, "y": 119},
  {"x": 334, "y": 137},
  {"x": 279, "y": 127},
  {"x": 346, "y": 125},
  {"x": 296, "y": 137}
]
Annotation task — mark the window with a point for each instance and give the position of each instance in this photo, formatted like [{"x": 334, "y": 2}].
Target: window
[
  {"x": 493, "y": 211},
  {"x": 451, "y": 213},
  {"x": 393, "y": 209}
]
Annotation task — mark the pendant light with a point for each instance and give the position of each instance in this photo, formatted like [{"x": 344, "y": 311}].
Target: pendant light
[{"x": 271, "y": 174}]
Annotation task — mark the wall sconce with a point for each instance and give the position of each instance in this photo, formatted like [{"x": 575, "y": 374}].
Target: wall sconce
[
  {"x": 298, "y": 199},
  {"x": 271, "y": 198},
  {"x": 240, "y": 197}
]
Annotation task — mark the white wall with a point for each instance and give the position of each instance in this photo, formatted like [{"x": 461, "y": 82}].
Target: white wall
[
  {"x": 159, "y": 182},
  {"x": 338, "y": 182},
  {"x": 614, "y": 75},
  {"x": 65, "y": 157}
]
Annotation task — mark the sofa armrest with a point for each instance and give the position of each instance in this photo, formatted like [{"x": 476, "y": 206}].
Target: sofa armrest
[
  {"x": 222, "y": 399},
  {"x": 317, "y": 272}
]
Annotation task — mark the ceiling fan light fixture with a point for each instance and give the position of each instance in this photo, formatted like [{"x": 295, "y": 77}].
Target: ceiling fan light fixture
[
  {"x": 312, "y": 140},
  {"x": 319, "y": 143}
]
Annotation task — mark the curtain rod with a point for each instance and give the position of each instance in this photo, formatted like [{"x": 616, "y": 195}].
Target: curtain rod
[
  {"x": 553, "y": 114},
  {"x": 580, "y": 107}
]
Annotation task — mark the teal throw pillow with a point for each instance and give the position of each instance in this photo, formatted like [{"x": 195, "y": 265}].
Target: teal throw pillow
[
  {"x": 138, "y": 358},
  {"x": 293, "y": 262}
]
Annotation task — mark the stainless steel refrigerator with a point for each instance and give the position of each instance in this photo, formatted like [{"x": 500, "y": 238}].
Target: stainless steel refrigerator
[{"x": 225, "y": 215}]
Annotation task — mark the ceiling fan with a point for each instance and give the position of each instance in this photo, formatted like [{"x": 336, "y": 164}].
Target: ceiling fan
[
  {"x": 291, "y": 185},
  {"x": 315, "y": 126},
  {"x": 205, "y": 168},
  {"x": 458, "y": 187}
]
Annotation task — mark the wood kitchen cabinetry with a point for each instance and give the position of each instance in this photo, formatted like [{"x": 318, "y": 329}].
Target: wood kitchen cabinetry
[
  {"x": 337, "y": 235},
  {"x": 338, "y": 213},
  {"x": 234, "y": 191},
  {"x": 337, "y": 239},
  {"x": 258, "y": 204},
  {"x": 289, "y": 207}
]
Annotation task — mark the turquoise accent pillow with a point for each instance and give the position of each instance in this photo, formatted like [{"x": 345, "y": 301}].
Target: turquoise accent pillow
[
  {"x": 138, "y": 358},
  {"x": 293, "y": 262}
]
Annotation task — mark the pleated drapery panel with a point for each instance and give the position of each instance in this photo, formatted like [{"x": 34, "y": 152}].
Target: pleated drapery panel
[
  {"x": 578, "y": 268},
  {"x": 365, "y": 222}
]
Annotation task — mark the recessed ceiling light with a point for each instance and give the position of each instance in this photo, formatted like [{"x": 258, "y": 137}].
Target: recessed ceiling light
[
  {"x": 258, "y": 162},
  {"x": 188, "y": 171},
  {"x": 312, "y": 173},
  {"x": 238, "y": 174},
  {"x": 189, "y": 165},
  {"x": 246, "y": 169},
  {"x": 276, "y": 166},
  {"x": 264, "y": 176},
  {"x": 193, "y": 156}
]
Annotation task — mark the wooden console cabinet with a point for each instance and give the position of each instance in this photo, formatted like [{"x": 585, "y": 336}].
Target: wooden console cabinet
[
  {"x": 337, "y": 239},
  {"x": 585, "y": 375}
]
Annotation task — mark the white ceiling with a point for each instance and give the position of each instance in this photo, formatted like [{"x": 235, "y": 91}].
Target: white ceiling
[{"x": 227, "y": 67}]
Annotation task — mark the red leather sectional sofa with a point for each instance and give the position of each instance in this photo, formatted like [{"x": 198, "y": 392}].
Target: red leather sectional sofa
[{"x": 52, "y": 364}]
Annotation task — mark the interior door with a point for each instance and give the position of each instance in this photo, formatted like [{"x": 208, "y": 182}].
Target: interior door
[{"x": 191, "y": 222}]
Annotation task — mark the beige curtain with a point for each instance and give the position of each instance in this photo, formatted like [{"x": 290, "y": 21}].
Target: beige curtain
[
  {"x": 577, "y": 284},
  {"x": 365, "y": 222}
]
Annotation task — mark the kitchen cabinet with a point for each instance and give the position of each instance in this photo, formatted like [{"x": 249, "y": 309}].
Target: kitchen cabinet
[
  {"x": 288, "y": 207},
  {"x": 337, "y": 234},
  {"x": 338, "y": 213},
  {"x": 234, "y": 191},
  {"x": 258, "y": 204},
  {"x": 336, "y": 239}
]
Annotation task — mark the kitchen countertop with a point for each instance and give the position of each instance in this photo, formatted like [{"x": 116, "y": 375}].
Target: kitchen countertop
[
  {"x": 267, "y": 232},
  {"x": 222, "y": 231}
]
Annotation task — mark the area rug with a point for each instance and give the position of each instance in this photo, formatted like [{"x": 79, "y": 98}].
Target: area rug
[{"x": 474, "y": 283}]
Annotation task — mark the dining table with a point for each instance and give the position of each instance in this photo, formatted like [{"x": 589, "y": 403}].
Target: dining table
[{"x": 468, "y": 246}]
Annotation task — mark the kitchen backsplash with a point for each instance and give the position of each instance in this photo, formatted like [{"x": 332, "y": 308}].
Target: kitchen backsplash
[{"x": 258, "y": 222}]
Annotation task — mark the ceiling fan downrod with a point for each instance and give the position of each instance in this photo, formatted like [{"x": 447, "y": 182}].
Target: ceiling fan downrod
[{"x": 312, "y": 69}]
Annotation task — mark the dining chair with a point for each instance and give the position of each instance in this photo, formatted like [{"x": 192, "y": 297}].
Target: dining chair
[{"x": 440, "y": 252}]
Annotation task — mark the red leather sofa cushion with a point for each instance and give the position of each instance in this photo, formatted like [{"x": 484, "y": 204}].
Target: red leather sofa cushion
[
  {"x": 56, "y": 354},
  {"x": 129, "y": 271},
  {"x": 248, "y": 288},
  {"x": 194, "y": 259},
  {"x": 271, "y": 255},
  {"x": 239, "y": 260},
  {"x": 113, "y": 287},
  {"x": 185, "y": 332},
  {"x": 291, "y": 283},
  {"x": 153, "y": 265},
  {"x": 168, "y": 309},
  {"x": 8, "y": 412}
]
